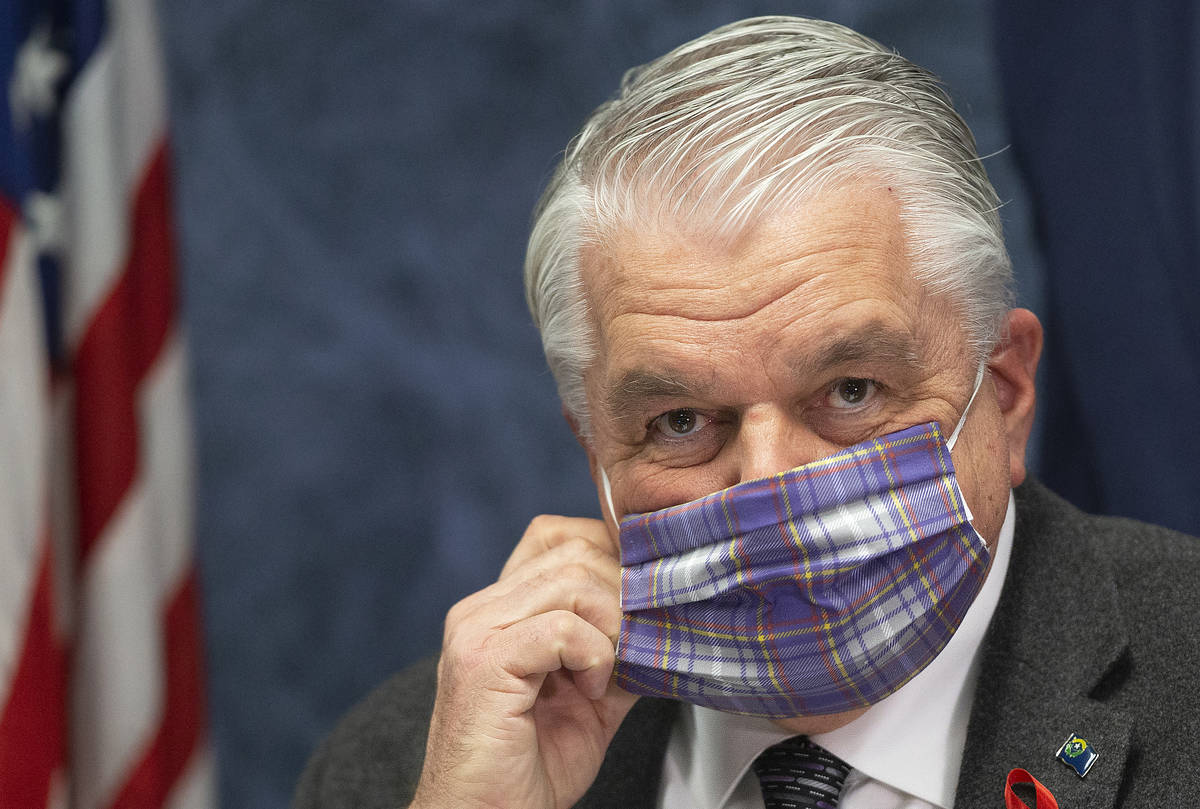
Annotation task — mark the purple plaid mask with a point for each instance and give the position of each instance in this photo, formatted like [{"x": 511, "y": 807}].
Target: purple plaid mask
[{"x": 818, "y": 590}]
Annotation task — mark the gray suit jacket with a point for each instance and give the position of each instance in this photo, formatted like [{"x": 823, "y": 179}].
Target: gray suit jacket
[{"x": 1096, "y": 633}]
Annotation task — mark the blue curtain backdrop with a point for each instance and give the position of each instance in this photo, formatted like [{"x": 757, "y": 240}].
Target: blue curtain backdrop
[
  {"x": 1103, "y": 99},
  {"x": 375, "y": 423}
]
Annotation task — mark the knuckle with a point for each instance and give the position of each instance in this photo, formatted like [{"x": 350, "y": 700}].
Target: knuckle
[
  {"x": 461, "y": 611},
  {"x": 596, "y": 558},
  {"x": 576, "y": 572},
  {"x": 547, "y": 525},
  {"x": 580, "y": 546},
  {"x": 455, "y": 614},
  {"x": 561, "y": 624},
  {"x": 462, "y": 621}
]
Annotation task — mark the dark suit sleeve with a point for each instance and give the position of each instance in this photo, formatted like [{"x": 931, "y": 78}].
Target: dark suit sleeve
[{"x": 374, "y": 756}]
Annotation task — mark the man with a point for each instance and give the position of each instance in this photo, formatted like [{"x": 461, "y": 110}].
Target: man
[{"x": 769, "y": 269}]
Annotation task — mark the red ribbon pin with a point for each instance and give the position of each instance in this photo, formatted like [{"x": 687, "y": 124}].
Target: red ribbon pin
[{"x": 1043, "y": 799}]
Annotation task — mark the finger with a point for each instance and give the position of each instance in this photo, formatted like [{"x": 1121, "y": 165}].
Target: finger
[
  {"x": 577, "y": 579},
  {"x": 575, "y": 562},
  {"x": 570, "y": 550},
  {"x": 548, "y": 531},
  {"x": 551, "y": 641},
  {"x": 616, "y": 704}
]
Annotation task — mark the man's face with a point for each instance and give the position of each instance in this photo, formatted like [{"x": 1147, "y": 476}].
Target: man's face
[{"x": 721, "y": 364}]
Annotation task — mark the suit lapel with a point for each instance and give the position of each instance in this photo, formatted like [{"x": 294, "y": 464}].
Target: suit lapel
[
  {"x": 1056, "y": 642},
  {"x": 1027, "y": 728}
]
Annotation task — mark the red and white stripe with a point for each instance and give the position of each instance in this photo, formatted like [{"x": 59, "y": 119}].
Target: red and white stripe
[
  {"x": 32, "y": 646},
  {"x": 137, "y": 717}
]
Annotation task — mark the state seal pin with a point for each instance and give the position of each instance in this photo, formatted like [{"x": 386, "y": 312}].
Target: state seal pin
[{"x": 1077, "y": 754}]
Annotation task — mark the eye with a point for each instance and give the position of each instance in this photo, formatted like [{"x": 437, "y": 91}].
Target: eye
[
  {"x": 850, "y": 393},
  {"x": 679, "y": 423}
]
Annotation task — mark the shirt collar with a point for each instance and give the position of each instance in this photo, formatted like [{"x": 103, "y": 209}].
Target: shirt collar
[{"x": 912, "y": 740}]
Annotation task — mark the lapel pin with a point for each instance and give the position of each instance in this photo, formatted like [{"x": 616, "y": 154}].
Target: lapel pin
[{"x": 1077, "y": 754}]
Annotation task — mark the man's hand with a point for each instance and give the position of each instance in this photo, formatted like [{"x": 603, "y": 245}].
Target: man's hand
[{"x": 525, "y": 709}]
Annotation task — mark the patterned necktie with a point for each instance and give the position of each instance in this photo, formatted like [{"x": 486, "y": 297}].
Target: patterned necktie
[{"x": 797, "y": 774}]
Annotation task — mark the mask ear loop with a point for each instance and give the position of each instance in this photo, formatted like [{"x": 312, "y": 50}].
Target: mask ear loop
[
  {"x": 608, "y": 496},
  {"x": 963, "y": 418}
]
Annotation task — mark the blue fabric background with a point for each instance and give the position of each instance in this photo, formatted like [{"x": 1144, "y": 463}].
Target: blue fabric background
[
  {"x": 375, "y": 424},
  {"x": 1103, "y": 107}
]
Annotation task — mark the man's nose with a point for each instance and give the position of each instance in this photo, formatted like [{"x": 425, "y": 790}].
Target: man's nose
[{"x": 773, "y": 440}]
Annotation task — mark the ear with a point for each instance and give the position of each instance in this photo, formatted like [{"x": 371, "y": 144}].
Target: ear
[{"x": 1013, "y": 367}]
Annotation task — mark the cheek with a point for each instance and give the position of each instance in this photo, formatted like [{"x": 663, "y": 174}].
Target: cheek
[
  {"x": 643, "y": 490},
  {"x": 984, "y": 479},
  {"x": 606, "y": 511}
]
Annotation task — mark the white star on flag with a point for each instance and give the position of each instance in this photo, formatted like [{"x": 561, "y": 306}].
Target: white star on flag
[
  {"x": 44, "y": 214},
  {"x": 32, "y": 91}
]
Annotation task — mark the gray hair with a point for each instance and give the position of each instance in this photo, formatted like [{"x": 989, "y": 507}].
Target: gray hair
[{"x": 755, "y": 116}]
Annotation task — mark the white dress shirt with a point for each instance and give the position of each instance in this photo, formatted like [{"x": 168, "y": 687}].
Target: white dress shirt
[{"x": 905, "y": 751}]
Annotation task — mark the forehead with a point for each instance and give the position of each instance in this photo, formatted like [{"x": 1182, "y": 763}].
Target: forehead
[
  {"x": 834, "y": 260},
  {"x": 745, "y": 319},
  {"x": 844, "y": 244}
]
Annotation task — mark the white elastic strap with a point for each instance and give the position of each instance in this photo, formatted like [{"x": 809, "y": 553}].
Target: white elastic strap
[
  {"x": 608, "y": 496},
  {"x": 963, "y": 418}
]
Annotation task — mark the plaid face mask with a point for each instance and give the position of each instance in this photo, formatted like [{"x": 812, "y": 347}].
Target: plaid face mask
[{"x": 815, "y": 591}]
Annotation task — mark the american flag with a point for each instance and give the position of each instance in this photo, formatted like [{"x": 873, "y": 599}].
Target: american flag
[{"x": 101, "y": 697}]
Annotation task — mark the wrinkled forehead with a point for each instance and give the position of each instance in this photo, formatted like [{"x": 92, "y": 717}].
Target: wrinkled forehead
[
  {"x": 845, "y": 242},
  {"x": 830, "y": 280}
]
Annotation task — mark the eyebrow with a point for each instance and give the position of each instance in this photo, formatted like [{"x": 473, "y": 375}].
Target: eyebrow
[
  {"x": 635, "y": 388},
  {"x": 872, "y": 342}
]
